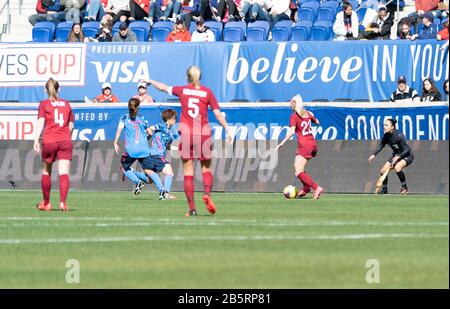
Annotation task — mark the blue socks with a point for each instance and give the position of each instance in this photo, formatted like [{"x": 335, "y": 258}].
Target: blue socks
[
  {"x": 157, "y": 181},
  {"x": 131, "y": 176},
  {"x": 168, "y": 183},
  {"x": 141, "y": 176}
]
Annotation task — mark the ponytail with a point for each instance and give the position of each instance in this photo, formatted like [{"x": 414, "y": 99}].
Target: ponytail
[
  {"x": 194, "y": 75},
  {"x": 133, "y": 106},
  {"x": 52, "y": 87}
]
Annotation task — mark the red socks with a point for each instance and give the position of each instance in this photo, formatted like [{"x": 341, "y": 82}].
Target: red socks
[
  {"x": 189, "y": 190},
  {"x": 64, "y": 185},
  {"x": 208, "y": 180},
  {"x": 46, "y": 185},
  {"x": 307, "y": 180}
]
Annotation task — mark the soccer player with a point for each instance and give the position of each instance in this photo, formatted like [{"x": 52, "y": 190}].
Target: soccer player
[
  {"x": 162, "y": 138},
  {"x": 56, "y": 119},
  {"x": 300, "y": 123},
  {"x": 196, "y": 138},
  {"x": 135, "y": 144},
  {"x": 402, "y": 155}
]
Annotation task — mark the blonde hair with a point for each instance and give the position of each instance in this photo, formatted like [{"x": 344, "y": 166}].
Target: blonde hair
[
  {"x": 297, "y": 99},
  {"x": 194, "y": 75},
  {"x": 52, "y": 87}
]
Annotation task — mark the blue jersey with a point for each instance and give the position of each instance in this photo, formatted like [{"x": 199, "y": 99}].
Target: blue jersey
[
  {"x": 135, "y": 142},
  {"x": 162, "y": 136}
]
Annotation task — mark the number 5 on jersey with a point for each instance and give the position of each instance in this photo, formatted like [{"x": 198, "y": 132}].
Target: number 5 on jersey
[
  {"x": 193, "y": 109},
  {"x": 59, "y": 118}
]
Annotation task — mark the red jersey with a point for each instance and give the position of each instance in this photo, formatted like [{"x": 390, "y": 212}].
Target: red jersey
[
  {"x": 194, "y": 109},
  {"x": 57, "y": 115},
  {"x": 107, "y": 98},
  {"x": 303, "y": 126}
]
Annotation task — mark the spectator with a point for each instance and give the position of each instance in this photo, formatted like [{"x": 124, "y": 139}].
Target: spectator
[
  {"x": 372, "y": 32},
  {"x": 76, "y": 35},
  {"x": 95, "y": 10},
  {"x": 120, "y": 10},
  {"x": 104, "y": 34},
  {"x": 203, "y": 33},
  {"x": 429, "y": 91},
  {"x": 142, "y": 95},
  {"x": 71, "y": 11},
  {"x": 139, "y": 9},
  {"x": 443, "y": 34},
  {"x": 233, "y": 7},
  {"x": 256, "y": 10},
  {"x": 293, "y": 5},
  {"x": 405, "y": 32},
  {"x": 346, "y": 25},
  {"x": 45, "y": 11},
  {"x": 106, "y": 96},
  {"x": 179, "y": 33},
  {"x": 385, "y": 21},
  {"x": 187, "y": 9},
  {"x": 124, "y": 34},
  {"x": 422, "y": 7},
  {"x": 445, "y": 86},
  {"x": 280, "y": 11},
  {"x": 159, "y": 10},
  {"x": 430, "y": 30},
  {"x": 403, "y": 92}
]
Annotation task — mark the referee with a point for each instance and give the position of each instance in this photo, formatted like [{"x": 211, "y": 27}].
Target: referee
[{"x": 402, "y": 154}]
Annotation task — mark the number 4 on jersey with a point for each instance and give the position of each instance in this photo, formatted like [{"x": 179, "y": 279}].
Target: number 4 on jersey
[{"x": 59, "y": 118}]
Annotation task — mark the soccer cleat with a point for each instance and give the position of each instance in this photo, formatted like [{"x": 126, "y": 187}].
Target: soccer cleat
[
  {"x": 168, "y": 196},
  {"x": 63, "y": 206},
  {"x": 42, "y": 206},
  {"x": 302, "y": 193},
  {"x": 209, "y": 204},
  {"x": 162, "y": 195},
  {"x": 318, "y": 192},
  {"x": 404, "y": 191},
  {"x": 191, "y": 213},
  {"x": 138, "y": 187}
]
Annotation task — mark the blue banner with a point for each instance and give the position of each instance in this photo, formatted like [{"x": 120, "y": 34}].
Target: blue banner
[
  {"x": 249, "y": 70},
  {"x": 249, "y": 123}
]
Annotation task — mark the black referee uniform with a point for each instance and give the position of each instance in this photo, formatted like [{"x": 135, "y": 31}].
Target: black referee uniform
[{"x": 397, "y": 141}]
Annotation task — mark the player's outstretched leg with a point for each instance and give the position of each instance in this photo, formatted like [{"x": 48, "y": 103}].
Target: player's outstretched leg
[
  {"x": 138, "y": 184},
  {"x": 305, "y": 190},
  {"x": 46, "y": 185},
  {"x": 157, "y": 181},
  {"x": 168, "y": 172}
]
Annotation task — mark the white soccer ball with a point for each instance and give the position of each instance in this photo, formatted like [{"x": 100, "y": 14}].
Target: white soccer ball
[{"x": 290, "y": 191}]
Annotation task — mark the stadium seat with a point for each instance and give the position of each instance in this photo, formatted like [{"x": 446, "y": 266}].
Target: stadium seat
[
  {"x": 141, "y": 29},
  {"x": 90, "y": 28},
  {"x": 325, "y": 13},
  {"x": 312, "y": 5},
  {"x": 342, "y": 100},
  {"x": 304, "y": 23},
  {"x": 115, "y": 28},
  {"x": 306, "y": 14},
  {"x": 234, "y": 31},
  {"x": 62, "y": 31},
  {"x": 299, "y": 33},
  {"x": 216, "y": 27},
  {"x": 161, "y": 30},
  {"x": 257, "y": 31},
  {"x": 282, "y": 31},
  {"x": 354, "y": 4},
  {"x": 304, "y": 1},
  {"x": 319, "y": 33},
  {"x": 330, "y": 4},
  {"x": 43, "y": 31},
  {"x": 361, "y": 13}
]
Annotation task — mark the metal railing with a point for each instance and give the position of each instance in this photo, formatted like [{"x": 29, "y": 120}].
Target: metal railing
[{"x": 5, "y": 28}]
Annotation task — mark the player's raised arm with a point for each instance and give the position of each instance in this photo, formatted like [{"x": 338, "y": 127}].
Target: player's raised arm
[{"x": 160, "y": 86}]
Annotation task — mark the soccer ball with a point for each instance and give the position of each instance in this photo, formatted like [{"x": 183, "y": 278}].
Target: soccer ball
[{"x": 290, "y": 191}]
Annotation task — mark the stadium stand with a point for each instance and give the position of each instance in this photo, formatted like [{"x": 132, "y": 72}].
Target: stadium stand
[
  {"x": 282, "y": 31},
  {"x": 62, "y": 31},
  {"x": 234, "y": 31},
  {"x": 257, "y": 31},
  {"x": 44, "y": 31},
  {"x": 90, "y": 28},
  {"x": 141, "y": 29}
]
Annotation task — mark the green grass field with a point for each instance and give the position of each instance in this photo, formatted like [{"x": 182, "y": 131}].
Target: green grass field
[{"x": 254, "y": 241}]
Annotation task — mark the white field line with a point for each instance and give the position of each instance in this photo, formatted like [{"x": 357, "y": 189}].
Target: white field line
[
  {"x": 218, "y": 238},
  {"x": 142, "y": 223},
  {"x": 118, "y": 221}
]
